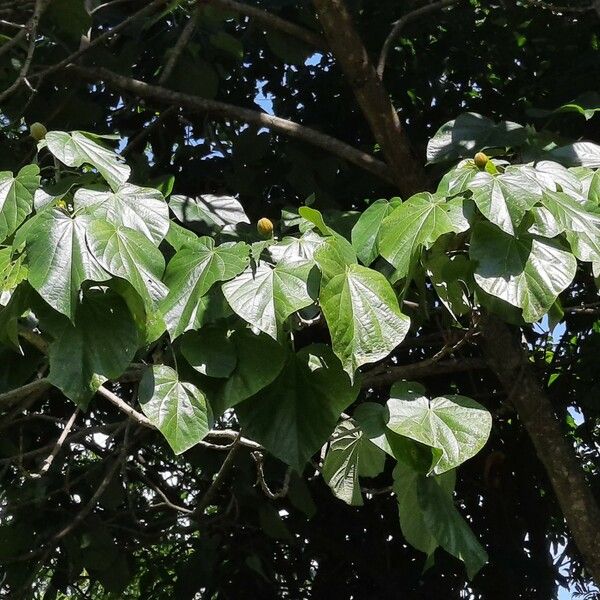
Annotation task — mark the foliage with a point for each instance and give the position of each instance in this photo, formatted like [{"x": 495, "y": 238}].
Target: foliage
[{"x": 249, "y": 408}]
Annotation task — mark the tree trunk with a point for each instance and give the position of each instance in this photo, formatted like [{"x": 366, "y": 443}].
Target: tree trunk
[
  {"x": 509, "y": 361},
  {"x": 372, "y": 97}
]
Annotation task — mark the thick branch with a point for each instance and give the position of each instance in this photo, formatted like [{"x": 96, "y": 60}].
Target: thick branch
[
  {"x": 11, "y": 397},
  {"x": 372, "y": 97},
  {"x": 214, "y": 107},
  {"x": 425, "y": 368},
  {"x": 272, "y": 21},
  {"x": 509, "y": 361}
]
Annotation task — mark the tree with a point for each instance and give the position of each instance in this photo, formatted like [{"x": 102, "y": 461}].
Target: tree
[{"x": 229, "y": 369}]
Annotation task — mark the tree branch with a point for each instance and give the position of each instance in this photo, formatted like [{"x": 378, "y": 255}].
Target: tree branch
[
  {"x": 214, "y": 107},
  {"x": 400, "y": 23},
  {"x": 40, "y": 7},
  {"x": 509, "y": 361},
  {"x": 425, "y": 368},
  {"x": 13, "y": 396},
  {"x": 349, "y": 51},
  {"x": 272, "y": 21},
  {"x": 179, "y": 47}
]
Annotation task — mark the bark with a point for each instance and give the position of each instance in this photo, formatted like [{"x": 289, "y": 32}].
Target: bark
[
  {"x": 372, "y": 97},
  {"x": 509, "y": 361}
]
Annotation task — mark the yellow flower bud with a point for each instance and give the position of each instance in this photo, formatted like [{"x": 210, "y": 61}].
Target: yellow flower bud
[
  {"x": 37, "y": 131},
  {"x": 481, "y": 160},
  {"x": 265, "y": 227}
]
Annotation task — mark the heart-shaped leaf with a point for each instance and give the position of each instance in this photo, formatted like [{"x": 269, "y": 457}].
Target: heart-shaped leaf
[
  {"x": 295, "y": 415},
  {"x": 177, "y": 409},
  {"x": 455, "y": 427},
  {"x": 189, "y": 276},
  {"x": 265, "y": 296},
  {"x": 142, "y": 209},
  {"x": 79, "y": 148},
  {"x": 527, "y": 272}
]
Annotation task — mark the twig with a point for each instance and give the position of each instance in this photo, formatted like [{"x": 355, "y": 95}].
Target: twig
[
  {"x": 260, "y": 476},
  {"x": 146, "y": 131},
  {"x": 214, "y": 486},
  {"x": 124, "y": 407},
  {"x": 107, "y": 4},
  {"x": 273, "y": 22},
  {"x": 563, "y": 9},
  {"x": 179, "y": 47},
  {"x": 215, "y": 107},
  {"x": 400, "y": 23},
  {"x": 57, "y": 447},
  {"x": 40, "y": 7},
  {"x": 146, "y": 10}
]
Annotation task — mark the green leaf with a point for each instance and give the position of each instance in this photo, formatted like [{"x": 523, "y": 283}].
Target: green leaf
[
  {"x": 450, "y": 277},
  {"x": 527, "y": 272},
  {"x": 295, "y": 415},
  {"x": 365, "y": 233},
  {"x": 291, "y": 249},
  {"x": 446, "y": 525},
  {"x": 129, "y": 254},
  {"x": 213, "y": 211},
  {"x": 469, "y": 133},
  {"x": 581, "y": 222},
  {"x": 259, "y": 360},
  {"x": 333, "y": 256},
  {"x": 363, "y": 315},
  {"x": 59, "y": 259},
  {"x": 78, "y": 148},
  {"x": 585, "y": 154},
  {"x": 350, "y": 455},
  {"x": 428, "y": 517},
  {"x": 97, "y": 347},
  {"x": 142, "y": 209},
  {"x": 179, "y": 236},
  {"x": 210, "y": 351},
  {"x": 265, "y": 296},
  {"x": 177, "y": 409},
  {"x": 418, "y": 223},
  {"x": 504, "y": 199},
  {"x": 16, "y": 198},
  {"x": 189, "y": 276},
  {"x": 13, "y": 270},
  {"x": 456, "y": 427}
]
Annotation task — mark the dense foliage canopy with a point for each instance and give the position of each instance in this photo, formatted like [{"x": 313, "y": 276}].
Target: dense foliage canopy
[{"x": 299, "y": 299}]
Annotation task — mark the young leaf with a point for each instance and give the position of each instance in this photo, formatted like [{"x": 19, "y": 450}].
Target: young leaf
[
  {"x": 363, "y": 315},
  {"x": 189, "y": 276},
  {"x": 527, "y": 272},
  {"x": 177, "y": 409},
  {"x": 78, "y": 148},
  {"x": 351, "y": 455},
  {"x": 265, "y": 296},
  {"x": 295, "y": 415},
  {"x": 142, "y": 209},
  {"x": 16, "y": 198},
  {"x": 456, "y": 427}
]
